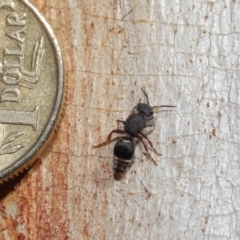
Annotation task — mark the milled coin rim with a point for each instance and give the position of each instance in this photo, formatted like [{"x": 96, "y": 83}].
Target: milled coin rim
[{"x": 27, "y": 161}]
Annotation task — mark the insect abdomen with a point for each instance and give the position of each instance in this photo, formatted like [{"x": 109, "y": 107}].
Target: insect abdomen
[
  {"x": 123, "y": 152},
  {"x": 120, "y": 167}
]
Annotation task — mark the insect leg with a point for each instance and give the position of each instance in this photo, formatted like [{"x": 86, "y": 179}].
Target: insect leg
[
  {"x": 120, "y": 121},
  {"x": 146, "y": 149},
  {"x": 150, "y": 124},
  {"x": 150, "y": 143},
  {"x": 109, "y": 137}
]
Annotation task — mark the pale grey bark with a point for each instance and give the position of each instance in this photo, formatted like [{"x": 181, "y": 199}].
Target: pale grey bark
[{"x": 185, "y": 53}]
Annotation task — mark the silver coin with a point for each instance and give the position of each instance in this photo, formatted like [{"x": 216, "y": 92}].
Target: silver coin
[{"x": 31, "y": 85}]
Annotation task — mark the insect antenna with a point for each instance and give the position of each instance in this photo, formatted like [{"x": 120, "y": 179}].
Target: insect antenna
[
  {"x": 163, "y": 106},
  {"x": 144, "y": 92}
]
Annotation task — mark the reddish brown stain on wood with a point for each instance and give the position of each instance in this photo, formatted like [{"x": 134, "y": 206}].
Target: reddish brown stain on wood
[
  {"x": 21, "y": 236},
  {"x": 2, "y": 207}
]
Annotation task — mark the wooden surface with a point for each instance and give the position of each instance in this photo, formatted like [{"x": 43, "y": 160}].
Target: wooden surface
[{"x": 185, "y": 53}]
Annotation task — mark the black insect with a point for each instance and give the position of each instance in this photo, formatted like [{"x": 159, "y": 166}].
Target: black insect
[
  {"x": 123, "y": 156},
  {"x": 141, "y": 117}
]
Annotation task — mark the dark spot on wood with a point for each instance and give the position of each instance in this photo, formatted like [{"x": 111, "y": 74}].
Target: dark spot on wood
[
  {"x": 21, "y": 236},
  {"x": 2, "y": 207},
  {"x": 211, "y": 4},
  {"x": 206, "y": 218},
  {"x": 214, "y": 131}
]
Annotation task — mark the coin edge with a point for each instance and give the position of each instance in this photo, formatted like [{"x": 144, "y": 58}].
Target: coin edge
[{"x": 31, "y": 157}]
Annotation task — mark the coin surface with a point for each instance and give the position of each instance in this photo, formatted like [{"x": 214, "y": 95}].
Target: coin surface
[{"x": 31, "y": 85}]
